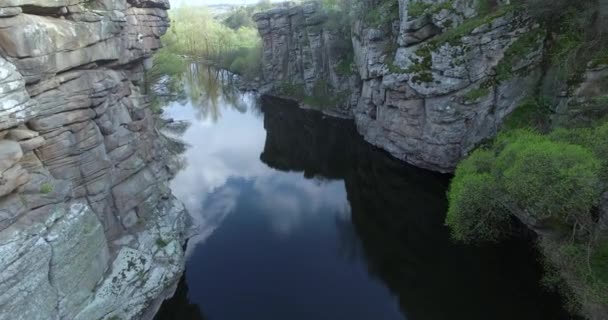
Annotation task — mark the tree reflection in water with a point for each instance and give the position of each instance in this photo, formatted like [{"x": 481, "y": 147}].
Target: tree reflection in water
[{"x": 206, "y": 88}]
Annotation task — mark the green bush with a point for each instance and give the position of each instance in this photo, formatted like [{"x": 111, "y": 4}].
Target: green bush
[
  {"x": 594, "y": 139},
  {"x": 548, "y": 179},
  {"x": 531, "y": 113},
  {"x": 524, "y": 173},
  {"x": 475, "y": 212},
  {"x": 246, "y": 62}
]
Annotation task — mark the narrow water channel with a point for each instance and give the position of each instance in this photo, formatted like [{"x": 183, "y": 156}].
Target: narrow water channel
[{"x": 301, "y": 219}]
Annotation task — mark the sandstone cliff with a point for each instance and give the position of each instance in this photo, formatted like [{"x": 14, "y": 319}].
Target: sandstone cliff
[
  {"x": 88, "y": 226},
  {"x": 436, "y": 77}
]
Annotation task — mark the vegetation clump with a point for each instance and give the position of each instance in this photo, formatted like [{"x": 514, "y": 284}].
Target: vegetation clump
[
  {"x": 477, "y": 94},
  {"x": 554, "y": 181},
  {"x": 196, "y": 34},
  {"x": 382, "y": 14},
  {"x": 524, "y": 174},
  {"x": 419, "y": 8},
  {"x": 46, "y": 187},
  {"x": 292, "y": 90},
  {"x": 161, "y": 243},
  {"x": 533, "y": 112},
  {"x": 519, "y": 50}
]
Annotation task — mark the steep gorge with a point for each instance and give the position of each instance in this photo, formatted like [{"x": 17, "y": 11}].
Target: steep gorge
[
  {"x": 431, "y": 80},
  {"x": 88, "y": 226}
]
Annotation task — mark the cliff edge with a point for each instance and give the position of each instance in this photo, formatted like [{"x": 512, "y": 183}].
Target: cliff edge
[{"x": 88, "y": 226}]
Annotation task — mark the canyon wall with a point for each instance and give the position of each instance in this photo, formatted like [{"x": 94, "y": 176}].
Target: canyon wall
[
  {"x": 88, "y": 226},
  {"x": 304, "y": 57},
  {"x": 449, "y": 83},
  {"x": 432, "y": 80}
]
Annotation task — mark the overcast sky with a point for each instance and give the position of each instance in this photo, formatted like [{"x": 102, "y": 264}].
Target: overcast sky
[{"x": 177, "y": 3}]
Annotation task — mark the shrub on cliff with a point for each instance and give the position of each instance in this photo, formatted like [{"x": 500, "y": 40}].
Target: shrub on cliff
[
  {"x": 594, "y": 139},
  {"x": 525, "y": 174},
  {"x": 476, "y": 212}
]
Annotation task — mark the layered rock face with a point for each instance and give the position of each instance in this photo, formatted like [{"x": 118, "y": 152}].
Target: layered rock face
[
  {"x": 454, "y": 77},
  {"x": 435, "y": 82},
  {"x": 302, "y": 57},
  {"x": 88, "y": 226}
]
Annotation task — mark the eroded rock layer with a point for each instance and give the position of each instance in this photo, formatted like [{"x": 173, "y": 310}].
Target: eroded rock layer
[
  {"x": 88, "y": 226},
  {"x": 435, "y": 81},
  {"x": 303, "y": 56}
]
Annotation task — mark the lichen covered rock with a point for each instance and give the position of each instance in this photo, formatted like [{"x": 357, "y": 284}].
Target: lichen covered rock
[{"x": 76, "y": 140}]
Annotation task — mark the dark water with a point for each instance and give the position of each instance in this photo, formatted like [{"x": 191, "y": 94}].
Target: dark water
[{"x": 301, "y": 219}]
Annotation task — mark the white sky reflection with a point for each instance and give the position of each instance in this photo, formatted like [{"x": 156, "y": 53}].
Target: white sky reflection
[{"x": 230, "y": 148}]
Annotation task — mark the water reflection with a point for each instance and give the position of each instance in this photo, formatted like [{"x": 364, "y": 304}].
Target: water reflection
[
  {"x": 304, "y": 220},
  {"x": 206, "y": 89}
]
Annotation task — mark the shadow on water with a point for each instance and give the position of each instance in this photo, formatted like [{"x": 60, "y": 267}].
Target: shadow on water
[
  {"x": 396, "y": 220},
  {"x": 179, "y": 307},
  {"x": 398, "y": 213}
]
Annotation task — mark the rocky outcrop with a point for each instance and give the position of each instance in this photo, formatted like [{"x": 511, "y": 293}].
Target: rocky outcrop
[
  {"x": 307, "y": 59},
  {"x": 450, "y": 83},
  {"x": 88, "y": 226},
  {"x": 435, "y": 82}
]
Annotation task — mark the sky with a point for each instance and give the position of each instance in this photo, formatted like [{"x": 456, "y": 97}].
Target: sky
[{"x": 177, "y": 3}]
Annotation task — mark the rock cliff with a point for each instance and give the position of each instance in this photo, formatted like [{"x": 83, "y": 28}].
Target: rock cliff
[
  {"x": 436, "y": 77},
  {"x": 306, "y": 56},
  {"x": 88, "y": 226}
]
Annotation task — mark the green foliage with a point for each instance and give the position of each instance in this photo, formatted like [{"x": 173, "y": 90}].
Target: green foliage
[
  {"x": 477, "y": 94},
  {"x": 484, "y": 7},
  {"x": 240, "y": 17},
  {"x": 346, "y": 66},
  {"x": 295, "y": 91},
  {"x": 544, "y": 178},
  {"x": 46, "y": 187},
  {"x": 518, "y": 51},
  {"x": 418, "y": 8},
  {"x": 195, "y": 33},
  {"x": 533, "y": 113},
  {"x": 421, "y": 67},
  {"x": 244, "y": 61},
  {"x": 475, "y": 212},
  {"x": 524, "y": 173},
  {"x": 161, "y": 243},
  {"x": 166, "y": 63},
  {"x": 454, "y": 35},
  {"x": 576, "y": 37},
  {"x": 594, "y": 139},
  {"x": 382, "y": 14},
  {"x": 393, "y": 68},
  {"x": 586, "y": 268}
]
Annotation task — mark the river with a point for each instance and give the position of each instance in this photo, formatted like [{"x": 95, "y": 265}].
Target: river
[{"x": 299, "y": 218}]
